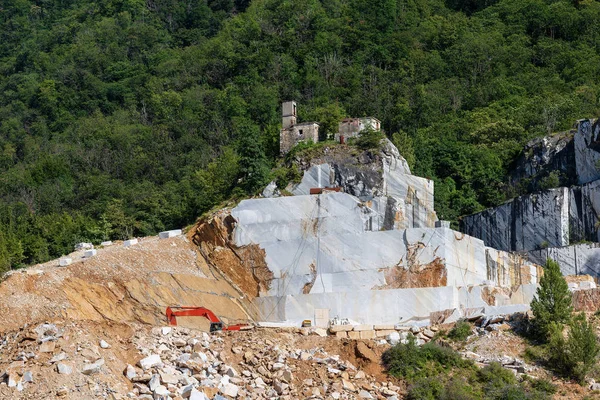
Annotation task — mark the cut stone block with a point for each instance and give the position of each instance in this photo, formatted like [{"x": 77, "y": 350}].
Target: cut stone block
[
  {"x": 169, "y": 234},
  {"x": 340, "y": 328},
  {"x": 384, "y": 327},
  {"x": 384, "y": 332},
  {"x": 367, "y": 334},
  {"x": 130, "y": 242},
  {"x": 63, "y": 262},
  {"x": 341, "y": 335},
  {"x": 354, "y": 335},
  {"x": 90, "y": 253},
  {"x": 359, "y": 328},
  {"x": 107, "y": 243}
]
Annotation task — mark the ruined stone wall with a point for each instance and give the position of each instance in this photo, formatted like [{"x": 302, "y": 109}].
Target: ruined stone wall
[{"x": 290, "y": 137}]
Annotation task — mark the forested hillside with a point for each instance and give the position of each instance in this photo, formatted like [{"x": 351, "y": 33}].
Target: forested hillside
[{"x": 125, "y": 117}]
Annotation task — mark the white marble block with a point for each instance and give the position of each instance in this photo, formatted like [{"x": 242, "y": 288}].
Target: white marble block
[
  {"x": 169, "y": 234},
  {"x": 130, "y": 242},
  {"x": 63, "y": 262},
  {"x": 90, "y": 253}
]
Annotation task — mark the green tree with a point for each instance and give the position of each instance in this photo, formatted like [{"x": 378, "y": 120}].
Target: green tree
[
  {"x": 254, "y": 167},
  {"x": 551, "y": 305},
  {"x": 574, "y": 356},
  {"x": 405, "y": 145}
]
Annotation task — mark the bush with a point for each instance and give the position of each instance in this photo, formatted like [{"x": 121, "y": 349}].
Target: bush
[
  {"x": 460, "y": 332},
  {"x": 574, "y": 356},
  {"x": 543, "y": 385},
  {"x": 369, "y": 139},
  {"x": 426, "y": 389},
  {"x": 552, "y": 303},
  {"x": 434, "y": 389},
  {"x": 495, "y": 378},
  {"x": 412, "y": 362}
]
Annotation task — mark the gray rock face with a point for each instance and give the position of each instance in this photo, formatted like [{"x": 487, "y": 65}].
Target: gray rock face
[
  {"x": 579, "y": 259},
  {"x": 555, "y": 217},
  {"x": 574, "y": 156},
  {"x": 543, "y": 156},
  {"x": 382, "y": 180},
  {"x": 587, "y": 151},
  {"x": 525, "y": 223},
  {"x": 584, "y": 212}
]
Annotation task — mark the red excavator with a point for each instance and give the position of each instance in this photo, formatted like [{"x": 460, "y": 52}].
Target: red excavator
[{"x": 215, "y": 323}]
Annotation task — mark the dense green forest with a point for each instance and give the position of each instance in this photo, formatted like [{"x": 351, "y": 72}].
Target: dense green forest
[{"x": 126, "y": 117}]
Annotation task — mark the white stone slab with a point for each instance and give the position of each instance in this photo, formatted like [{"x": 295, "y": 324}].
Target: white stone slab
[
  {"x": 90, "y": 253},
  {"x": 130, "y": 242},
  {"x": 107, "y": 243},
  {"x": 169, "y": 234},
  {"x": 63, "y": 262}
]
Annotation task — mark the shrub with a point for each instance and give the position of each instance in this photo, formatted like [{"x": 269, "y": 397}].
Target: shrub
[
  {"x": 460, "y": 332},
  {"x": 544, "y": 386},
  {"x": 495, "y": 378},
  {"x": 411, "y": 362},
  {"x": 426, "y": 389},
  {"x": 369, "y": 139},
  {"x": 552, "y": 302},
  {"x": 457, "y": 388},
  {"x": 574, "y": 356}
]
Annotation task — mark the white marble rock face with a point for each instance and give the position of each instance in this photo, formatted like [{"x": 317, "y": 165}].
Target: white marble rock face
[
  {"x": 372, "y": 249},
  {"x": 579, "y": 259}
]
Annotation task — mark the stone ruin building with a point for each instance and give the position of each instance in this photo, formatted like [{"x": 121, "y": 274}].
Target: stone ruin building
[{"x": 293, "y": 132}]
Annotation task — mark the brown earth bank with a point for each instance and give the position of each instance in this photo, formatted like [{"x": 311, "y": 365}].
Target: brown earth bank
[{"x": 121, "y": 284}]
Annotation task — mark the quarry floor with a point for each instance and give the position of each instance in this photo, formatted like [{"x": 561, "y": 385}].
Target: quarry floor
[{"x": 119, "y": 297}]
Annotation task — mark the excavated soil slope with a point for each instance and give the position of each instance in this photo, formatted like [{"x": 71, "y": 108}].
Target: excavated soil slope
[{"x": 119, "y": 284}]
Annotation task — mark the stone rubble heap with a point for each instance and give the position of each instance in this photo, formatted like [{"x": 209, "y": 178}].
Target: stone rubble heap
[{"x": 182, "y": 364}]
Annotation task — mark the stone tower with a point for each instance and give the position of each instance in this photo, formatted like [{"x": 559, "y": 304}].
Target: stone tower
[{"x": 292, "y": 132}]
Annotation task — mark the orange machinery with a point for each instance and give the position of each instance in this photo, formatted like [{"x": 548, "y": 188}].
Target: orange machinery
[{"x": 215, "y": 323}]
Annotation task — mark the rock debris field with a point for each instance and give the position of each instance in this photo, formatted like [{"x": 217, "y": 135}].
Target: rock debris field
[{"x": 76, "y": 361}]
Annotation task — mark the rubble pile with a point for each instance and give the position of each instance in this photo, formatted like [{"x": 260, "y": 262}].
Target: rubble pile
[
  {"x": 181, "y": 363},
  {"x": 71, "y": 361}
]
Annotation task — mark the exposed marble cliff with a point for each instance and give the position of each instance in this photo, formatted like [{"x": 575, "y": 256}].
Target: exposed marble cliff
[
  {"x": 368, "y": 249},
  {"x": 553, "y": 217},
  {"x": 380, "y": 178},
  {"x": 543, "y": 159}
]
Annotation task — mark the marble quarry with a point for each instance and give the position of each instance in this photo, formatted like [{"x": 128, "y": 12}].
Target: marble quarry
[
  {"x": 560, "y": 223},
  {"x": 368, "y": 251},
  {"x": 554, "y": 217}
]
